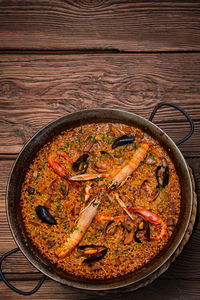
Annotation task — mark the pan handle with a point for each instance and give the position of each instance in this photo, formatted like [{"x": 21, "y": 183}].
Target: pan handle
[
  {"x": 183, "y": 112},
  {"x": 10, "y": 285}
]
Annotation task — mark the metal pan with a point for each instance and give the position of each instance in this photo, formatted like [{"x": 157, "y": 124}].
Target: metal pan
[{"x": 45, "y": 135}]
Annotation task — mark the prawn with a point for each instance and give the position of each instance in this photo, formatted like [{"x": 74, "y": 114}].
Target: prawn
[
  {"x": 75, "y": 237},
  {"x": 151, "y": 218},
  {"x": 55, "y": 162},
  {"x": 121, "y": 177}
]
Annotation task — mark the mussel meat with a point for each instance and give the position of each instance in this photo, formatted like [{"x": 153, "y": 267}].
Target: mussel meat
[
  {"x": 143, "y": 226},
  {"x": 45, "y": 215},
  {"x": 92, "y": 252},
  {"x": 123, "y": 140},
  {"x": 81, "y": 164},
  {"x": 162, "y": 176}
]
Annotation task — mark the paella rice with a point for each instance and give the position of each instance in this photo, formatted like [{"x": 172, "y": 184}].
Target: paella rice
[{"x": 101, "y": 200}]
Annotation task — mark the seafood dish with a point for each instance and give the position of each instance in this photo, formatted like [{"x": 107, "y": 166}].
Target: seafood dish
[{"x": 101, "y": 200}]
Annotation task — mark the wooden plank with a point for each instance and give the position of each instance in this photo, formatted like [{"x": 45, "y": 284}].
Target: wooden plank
[
  {"x": 24, "y": 270},
  {"x": 37, "y": 89},
  {"x": 159, "y": 289},
  {"x": 105, "y": 25}
]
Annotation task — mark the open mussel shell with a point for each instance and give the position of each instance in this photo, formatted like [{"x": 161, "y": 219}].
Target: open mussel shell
[
  {"x": 92, "y": 252},
  {"x": 165, "y": 177},
  {"x": 45, "y": 215},
  {"x": 81, "y": 164},
  {"x": 145, "y": 228},
  {"x": 162, "y": 176},
  {"x": 123, "y": 140}
]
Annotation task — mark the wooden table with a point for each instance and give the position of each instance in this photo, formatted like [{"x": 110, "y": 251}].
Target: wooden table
[{"x": 57, "y": 57}]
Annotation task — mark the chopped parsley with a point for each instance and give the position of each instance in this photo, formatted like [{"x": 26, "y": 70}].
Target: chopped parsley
[
  {"x": 125, "y": 251},
  {"x": 107, "y": 139},
  {"x": 136, "y": 146},
  {"x": 76, "y": 228},
  {"x": 77, "y": 142},
  {"x": 89, "y": 239},
  {"x": 58, "y": 204},
  {"x": 91, "y": 138},
  {"x": 65, "y": 148},
  {"x": 150, "y": 155},
  {"x": 65, "y": 226},
  {"x": 96, "y": 203}
]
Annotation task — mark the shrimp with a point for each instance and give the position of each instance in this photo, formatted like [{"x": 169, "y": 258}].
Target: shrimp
[
  {"x": 151, "y": 218},
  {"x": 55, "y": 162},
  {"x": 75, "y": 237},
  {"x": 121, "y": 177}
]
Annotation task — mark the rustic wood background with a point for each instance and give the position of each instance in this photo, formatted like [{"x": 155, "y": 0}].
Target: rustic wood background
[{"x": 57, "y": 57}]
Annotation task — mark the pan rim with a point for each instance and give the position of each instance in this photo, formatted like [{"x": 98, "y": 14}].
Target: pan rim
[{"x": 90, "y": 286}]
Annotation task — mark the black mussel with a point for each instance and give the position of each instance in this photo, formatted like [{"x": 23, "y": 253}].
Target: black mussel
[
  {"x": 166, "y": 177},
  {"x": 162, "y": 176},
  {"x": 92, "y": 252},
  {"x": 45, "y": 215},
  {"x": 81, "y": 164},
  {"x": 123, "y": 140},
  {"x": 30, "y": 190},
  {"x": 143, "y": 226}
]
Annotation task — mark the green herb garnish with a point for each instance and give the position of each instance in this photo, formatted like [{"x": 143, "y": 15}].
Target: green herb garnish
[
  {"x": 150, "y": 155},
  {"x": 58, "y": 204},
  {"x": 107, "y": 139},
  {"x": 90, "y": 138},
  {"x": 125, "y": 251},
  {"x": 65, "y": 148},
  {"x": 136, "y": 146}
]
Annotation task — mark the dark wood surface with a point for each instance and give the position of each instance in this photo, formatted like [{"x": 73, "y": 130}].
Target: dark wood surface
[
  {"x": 118, "y": 25},
  {"x": 57, "y": 57}
]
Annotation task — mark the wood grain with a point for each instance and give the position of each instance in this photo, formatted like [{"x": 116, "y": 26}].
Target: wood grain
[
  {"x": 57, "y": 57},
  {"x": 104, "y": 25},
  {"x": 37, "y": 89},
  {"x": 159, "y": 289}
]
